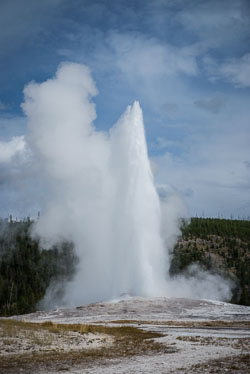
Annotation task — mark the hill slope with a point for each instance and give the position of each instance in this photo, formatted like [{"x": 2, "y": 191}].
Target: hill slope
[{"x": 219, "y": 245}]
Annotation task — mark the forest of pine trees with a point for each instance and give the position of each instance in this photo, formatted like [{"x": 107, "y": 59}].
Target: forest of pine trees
[
  {"x": 217, "y": 245},
  {"x": 26, "y": 270}
]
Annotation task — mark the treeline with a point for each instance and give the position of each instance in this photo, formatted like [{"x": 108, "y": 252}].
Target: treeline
[
  {"x": 217, "y": 245},
  {"x": 26, "y": 270},
  {"x": 226, "y": 228}
]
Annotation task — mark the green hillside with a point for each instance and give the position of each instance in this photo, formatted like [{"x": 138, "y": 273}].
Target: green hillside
[
  {"x": 26, "y": 270},
  {"x": 219, "y": 245}
]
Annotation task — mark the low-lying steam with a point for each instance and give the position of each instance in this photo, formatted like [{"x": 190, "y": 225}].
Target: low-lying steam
[{"x": 100, "y": 192}]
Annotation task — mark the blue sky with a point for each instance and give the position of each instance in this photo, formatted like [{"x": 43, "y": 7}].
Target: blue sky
[{"x": 186, "y": 61}]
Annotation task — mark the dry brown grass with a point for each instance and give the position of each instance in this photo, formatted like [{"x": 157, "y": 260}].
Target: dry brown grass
[
  {"x": 191, "y": 324},
  {"x": 127, "y": 341},
  {"x": 233, "y": 365}
]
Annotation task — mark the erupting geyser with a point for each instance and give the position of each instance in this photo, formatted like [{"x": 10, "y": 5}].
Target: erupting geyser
[
  {"x": 98, "y": 192},
  {"x": 137, "y": 248},
  {"x": 101, "y": 190}
]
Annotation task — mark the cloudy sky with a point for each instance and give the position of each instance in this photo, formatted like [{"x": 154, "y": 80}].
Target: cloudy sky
[{"x": 186, "y": 61}]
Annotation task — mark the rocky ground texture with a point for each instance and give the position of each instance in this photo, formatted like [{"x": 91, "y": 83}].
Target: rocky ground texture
[{"x": 133, "y": 335}]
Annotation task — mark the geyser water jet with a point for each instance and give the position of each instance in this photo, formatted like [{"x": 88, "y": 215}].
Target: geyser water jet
[
  {"x": 138, "y": 247},
  {"x": 102, "y": 195},
  {"x": 99, "y": 193}
]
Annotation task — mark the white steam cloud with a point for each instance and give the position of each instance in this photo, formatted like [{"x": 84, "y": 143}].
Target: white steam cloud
[{"x": 102, "y": 195}]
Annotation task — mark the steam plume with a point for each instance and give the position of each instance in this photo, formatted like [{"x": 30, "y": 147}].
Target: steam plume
[{"x": 101, "y": 193}]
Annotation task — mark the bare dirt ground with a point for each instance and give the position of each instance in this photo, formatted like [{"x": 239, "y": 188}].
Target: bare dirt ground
[{"x": 167, "y": 336}]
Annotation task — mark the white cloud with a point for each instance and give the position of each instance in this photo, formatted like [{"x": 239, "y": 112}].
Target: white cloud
[
  {"x": 133, "y": 65},
  {"x": 216, "y": 23},
  {"x": 10, "y": 149},
  {"x": 213, "y": 175},
  {"x": 153, "y": 55},
  {"x": 212, "y": 169},
  {"x": 19, "y": 179},
  {"x": 233, "y": 70},
  {"x": 237, "y": 71},
  {"x": 146, "y": 57}
]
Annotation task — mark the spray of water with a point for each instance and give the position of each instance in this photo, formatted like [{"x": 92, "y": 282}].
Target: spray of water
[{"x": 99, "y": 191}]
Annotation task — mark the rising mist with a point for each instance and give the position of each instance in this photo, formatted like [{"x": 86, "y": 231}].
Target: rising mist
[{"x": 100, "y": 195}]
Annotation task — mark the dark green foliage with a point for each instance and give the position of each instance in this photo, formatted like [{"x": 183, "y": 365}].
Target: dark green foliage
[
  {"x": 226, "y": 228},
  {"x": 26, "y": 270},
  {"x": 217, "y": 245}
]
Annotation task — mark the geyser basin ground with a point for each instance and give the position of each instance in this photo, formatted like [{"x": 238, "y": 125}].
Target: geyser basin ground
[{"x": 198, "y": 336}]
